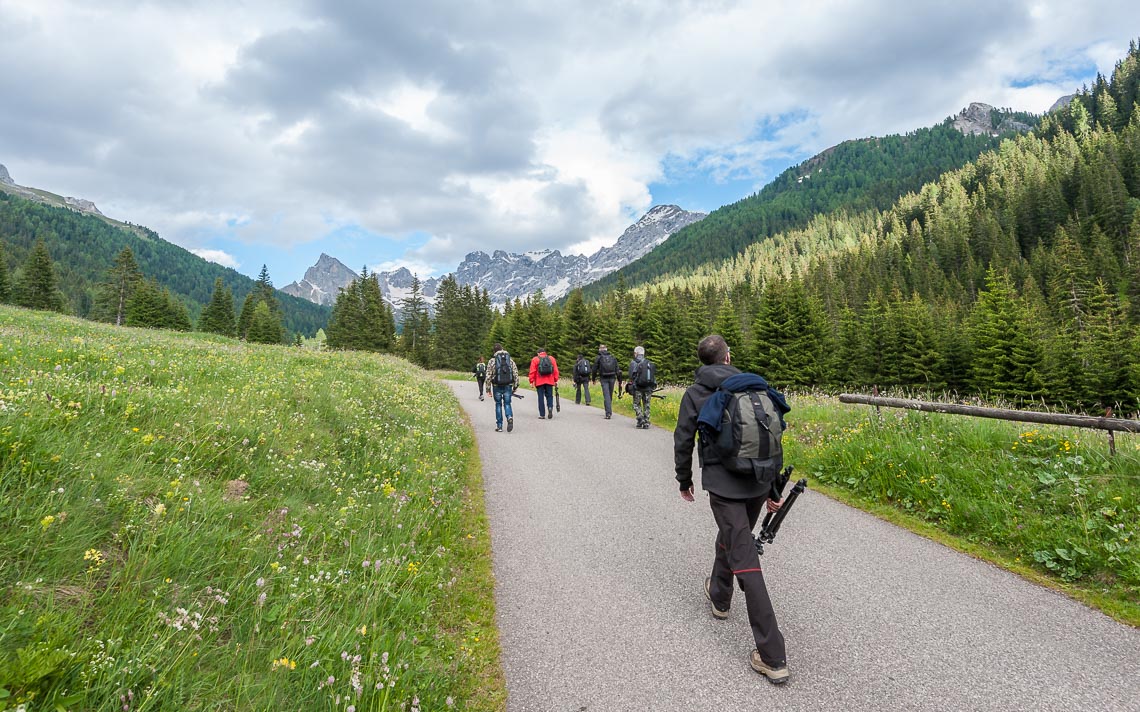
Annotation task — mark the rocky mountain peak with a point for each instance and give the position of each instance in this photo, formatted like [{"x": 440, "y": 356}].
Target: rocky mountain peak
[
  {"x": 978, "y": 119},
  {"x": 4, "y": 177},
  {"x": 507, "y": 275}
]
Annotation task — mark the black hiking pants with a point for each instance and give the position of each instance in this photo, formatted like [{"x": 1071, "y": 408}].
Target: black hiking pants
[
  {"x": 608, "y": 394},
  {"x": 579, "y": 388},
  {"x": 736, "y": 556}
]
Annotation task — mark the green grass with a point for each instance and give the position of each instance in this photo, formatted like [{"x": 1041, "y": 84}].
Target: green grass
[{"x": 193, "y": 523}]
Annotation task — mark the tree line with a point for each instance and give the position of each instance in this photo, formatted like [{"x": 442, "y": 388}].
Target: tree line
[
  {"x": 85, "y": 246},
  {"x": 126, "y": 297}
]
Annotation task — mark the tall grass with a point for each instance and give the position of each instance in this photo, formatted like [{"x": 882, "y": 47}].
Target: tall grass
[{"x": 191, "y": 523}]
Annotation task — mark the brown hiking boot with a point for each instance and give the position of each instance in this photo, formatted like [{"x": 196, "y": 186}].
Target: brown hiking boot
[
  {"x": 717, "y": 612},
  {"x": 776, "y": 674}
]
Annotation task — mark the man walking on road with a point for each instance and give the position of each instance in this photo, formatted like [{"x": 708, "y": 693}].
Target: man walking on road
[
  {"x": 736, "y": 503},
  {"x": 503, "y": 379},
  {"x": 480, "y": 372},
  {"x": 581, "y": 379},
  {"x": 641, "y": 384},
  {"x": 543, "y": 376},
  {"x": 607, "y": 370}
]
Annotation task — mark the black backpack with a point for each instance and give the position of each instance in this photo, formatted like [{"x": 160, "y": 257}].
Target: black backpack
[
  {"x": 607, "y": 365},
  {"x": 645, "y": 378},
  {"x": 545, "y": 365},
  {"x": 583, "y": 368},
  {"x": 480, "y": 370},
  {"x": 502, "y": 375},
  {"x": 750, "y": 441}
]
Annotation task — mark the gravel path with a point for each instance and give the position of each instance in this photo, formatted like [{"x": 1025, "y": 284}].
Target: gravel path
[{"x": 599, "y": 569}]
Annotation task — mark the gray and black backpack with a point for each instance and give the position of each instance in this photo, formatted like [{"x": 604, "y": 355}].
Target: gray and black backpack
[{"x": 750, "y": 441}]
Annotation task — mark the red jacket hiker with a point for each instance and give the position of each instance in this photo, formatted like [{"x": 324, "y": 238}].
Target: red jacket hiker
[{"x": 538, "y": 379}]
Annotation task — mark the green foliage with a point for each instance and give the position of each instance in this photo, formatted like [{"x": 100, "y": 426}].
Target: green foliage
[
  {"x": 113, "y": 295},
  {"x": 5, "y": 279},
  {"x": 416, "y": 338},
  {"x": 218, "y": 316},
  {"x": 264, "y": 327},
  {"x": 1048, "y": 498},
  {"x": 36, "y": 286},
  {"x": 193, "y": 523},
  {"x": 855, "y": 176},
  {"x": 85, "y": 248},
  {"x": 462, "y": 318}
]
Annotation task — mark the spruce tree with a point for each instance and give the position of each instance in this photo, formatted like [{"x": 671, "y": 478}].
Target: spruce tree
[
  {"x": 578, "y": 329},
  {"x": 264, "y": 327},
  {"x": 416, "y": 339},
  {"x": 1106, "y": 365},
  {"x": 112, "y": 295},
  {"x": 218, "y": 316},
  {"x": 36, "y": 286},
  {"x": 147, "y": 308},
  {"x": 5, "y": 283}
]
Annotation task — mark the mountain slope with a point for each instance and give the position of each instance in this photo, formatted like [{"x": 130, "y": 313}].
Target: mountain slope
[
  {"x": 856, "y": 175},
  {"x": 83, "y": 246}
]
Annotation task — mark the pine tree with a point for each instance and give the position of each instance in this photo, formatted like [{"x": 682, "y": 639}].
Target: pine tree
[
  {"x": 346, "y": 323},
  {"x": 1105, "y": 364},
  {"x": 177, "y": 316},
  {"x": 218, "y": 316},
  {"x": 995, "y": 322},
  {"x": 578, "y": 329},
  {"x": 36, "y": 286},
  {"x": 416, "y": 339},
  {"x": 112, "y": 295},
  {"x": 5, "y": 282},
  {"x": 147, "y": 309},
  {"x": 264, "y": 327}
]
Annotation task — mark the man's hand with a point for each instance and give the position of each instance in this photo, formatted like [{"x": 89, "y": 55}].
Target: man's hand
[
  {"x": 774, "y": 506},
  {"x": 687, "y": 495}
]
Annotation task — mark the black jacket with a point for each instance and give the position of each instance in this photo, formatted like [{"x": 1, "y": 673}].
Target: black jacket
[
  {"x": 579, "y": 378},
  {"x": 714, "y": 478}
]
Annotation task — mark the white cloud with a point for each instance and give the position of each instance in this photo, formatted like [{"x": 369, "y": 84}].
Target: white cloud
[
  {"x": 217, "y": 256},
  {"x": 538, "y": 126}
]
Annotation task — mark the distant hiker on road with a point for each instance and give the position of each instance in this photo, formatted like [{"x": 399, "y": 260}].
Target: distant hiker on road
[
  {"x": 737, "y": 501},
  {"x": 607, "y": 370},
  {"x": 480, "y": 373},
  {"x": 641, "y": 384},
  {"x": 581, "y": 379},
  {"x": 543, "y": 376},
  {"x": 503, "y": 379}
]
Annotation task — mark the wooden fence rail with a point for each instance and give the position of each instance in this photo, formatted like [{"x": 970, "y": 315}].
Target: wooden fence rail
[{"x": 1022, "y": 416}]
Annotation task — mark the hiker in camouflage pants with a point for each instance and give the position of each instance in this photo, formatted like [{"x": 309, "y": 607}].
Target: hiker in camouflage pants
[{"x": 641, "y": 396}]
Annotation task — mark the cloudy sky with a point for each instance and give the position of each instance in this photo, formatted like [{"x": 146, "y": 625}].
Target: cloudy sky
[{"x": 411, "y": 133}]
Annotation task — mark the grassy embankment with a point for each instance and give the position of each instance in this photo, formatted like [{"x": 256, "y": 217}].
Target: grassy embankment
[
  {"x": 1049, "y": 503},
  {"x": 193, "y": 523}
]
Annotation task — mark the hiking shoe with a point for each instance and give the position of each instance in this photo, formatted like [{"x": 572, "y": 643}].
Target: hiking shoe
[
  {"x": 550, "y": 416},
  {"x": 498, "y": 428},
  {"x": 510, "y": 424},
  {"x": 718, "y": 613},
  {"x": 607, "y": 416},
  {"x": 776, "y": 674}
]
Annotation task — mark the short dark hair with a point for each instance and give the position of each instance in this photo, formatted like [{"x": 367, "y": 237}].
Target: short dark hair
[
  {"x": 712, "y": 349},
  {"x": 498, "y": 347}
]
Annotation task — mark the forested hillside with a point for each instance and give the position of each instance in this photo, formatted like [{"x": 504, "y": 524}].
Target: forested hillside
[
  {"x": 1016, "y": 276},
  {"x": 83, "y": 248},
  {"x": 856, "y": 175}
]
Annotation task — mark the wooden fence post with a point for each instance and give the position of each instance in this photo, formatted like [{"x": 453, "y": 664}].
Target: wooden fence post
[{"x": 1111, "y": 435}]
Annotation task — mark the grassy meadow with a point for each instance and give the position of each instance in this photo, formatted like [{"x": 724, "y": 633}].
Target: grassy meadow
[
  {"x": 192, "y": 523},
  {"x": 1047, "y": 502}
]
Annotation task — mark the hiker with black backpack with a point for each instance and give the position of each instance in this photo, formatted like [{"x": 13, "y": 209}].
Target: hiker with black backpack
[
  {"x": 502, "y": 380},
  {"x": 739, "y": 466},
  {"x": 641, "y": 384},
  {"x": 581, "y": 379},
  {"x": 606, "y": 370},
  {"x": 544, "y": 376},
  {"x": 480, "y": 373}
]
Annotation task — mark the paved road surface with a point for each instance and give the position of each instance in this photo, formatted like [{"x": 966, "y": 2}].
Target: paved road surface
[{"x": 599, "y": 569}]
